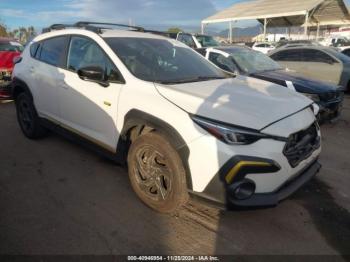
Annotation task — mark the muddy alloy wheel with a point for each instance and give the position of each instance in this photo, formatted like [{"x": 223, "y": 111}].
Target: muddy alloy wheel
[
  {"x": 156, "y": 173},
  {"x": 152, "y": 174},
  {"x": 27, "y": 117}
]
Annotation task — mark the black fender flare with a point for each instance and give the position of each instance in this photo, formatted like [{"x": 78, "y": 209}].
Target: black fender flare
[
  {"x": 138, "y": 119},
  {"x": 18, "y": 86}
]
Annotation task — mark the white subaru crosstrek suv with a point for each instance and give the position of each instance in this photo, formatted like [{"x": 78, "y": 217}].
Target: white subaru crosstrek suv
[{"x": 179, "y": 123}]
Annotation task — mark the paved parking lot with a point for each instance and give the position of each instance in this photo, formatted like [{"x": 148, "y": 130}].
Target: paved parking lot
[{"x": 59, "y": 198}]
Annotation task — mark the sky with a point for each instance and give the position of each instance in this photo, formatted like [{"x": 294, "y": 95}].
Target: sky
[
  {"x": 151, "y": 13},
  {"x": 41, "y": 13}
]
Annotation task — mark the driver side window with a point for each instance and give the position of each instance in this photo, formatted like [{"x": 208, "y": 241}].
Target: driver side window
[{"x": 84, "y": 52}]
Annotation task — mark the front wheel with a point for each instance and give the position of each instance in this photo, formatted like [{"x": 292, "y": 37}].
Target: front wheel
[{"x": 157, "y": 174}]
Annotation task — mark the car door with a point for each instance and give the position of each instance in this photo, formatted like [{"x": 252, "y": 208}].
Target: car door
[
  {"x": 89, "y": 108},
  {"x": 321, "y": 66},
  {"x": 45, "y": 76}
]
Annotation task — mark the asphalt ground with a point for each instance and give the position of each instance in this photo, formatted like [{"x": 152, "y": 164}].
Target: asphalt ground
[{"x": 58, "y": 198}]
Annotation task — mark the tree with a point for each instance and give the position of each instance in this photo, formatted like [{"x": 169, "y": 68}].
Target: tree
[
  {"x": 174, "y": 30},
  {"x": 23, "y": 34},
  {"x": 3, "y": 30}
]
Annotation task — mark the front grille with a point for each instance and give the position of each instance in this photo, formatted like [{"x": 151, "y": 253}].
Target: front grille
[{"x": 302, "y": 144}]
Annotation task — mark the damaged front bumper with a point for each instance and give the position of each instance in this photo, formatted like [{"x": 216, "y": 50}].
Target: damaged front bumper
[{"x": 5, "y": 85}]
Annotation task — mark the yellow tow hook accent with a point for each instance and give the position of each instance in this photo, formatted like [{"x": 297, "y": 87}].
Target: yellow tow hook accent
[{"x": 233, "y": 172}]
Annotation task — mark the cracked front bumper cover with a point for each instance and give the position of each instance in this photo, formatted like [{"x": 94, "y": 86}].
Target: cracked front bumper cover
[{"x": 5, "y": 90}]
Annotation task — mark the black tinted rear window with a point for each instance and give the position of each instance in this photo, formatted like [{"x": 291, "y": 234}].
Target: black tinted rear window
[
  {"x": 53, "y": 51},
  {"x": 288, "y": 55}
]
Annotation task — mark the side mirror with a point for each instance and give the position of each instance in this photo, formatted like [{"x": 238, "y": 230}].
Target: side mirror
[{"x": 94, "y": 74}]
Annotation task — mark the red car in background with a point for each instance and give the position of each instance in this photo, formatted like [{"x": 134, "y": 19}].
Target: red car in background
[{"x": 9, "y": 49}]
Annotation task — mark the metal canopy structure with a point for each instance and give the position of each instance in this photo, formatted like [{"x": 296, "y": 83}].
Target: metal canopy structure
[{"x": 281, "y": 13}]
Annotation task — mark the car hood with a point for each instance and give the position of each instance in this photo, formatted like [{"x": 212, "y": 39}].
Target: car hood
[
  {"x": 242, "y": 101},
  {"x": 6, "y": 59},
  {"x": 301, "y": 84}
]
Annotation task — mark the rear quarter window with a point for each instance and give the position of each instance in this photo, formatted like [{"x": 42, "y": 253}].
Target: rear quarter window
[{"x": 33, "y": 49}]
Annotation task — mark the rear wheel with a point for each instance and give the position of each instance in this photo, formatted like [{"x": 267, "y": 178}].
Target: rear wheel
[
  {"x": 28, "y": 118},
  {"x": 157, "y": 174}
]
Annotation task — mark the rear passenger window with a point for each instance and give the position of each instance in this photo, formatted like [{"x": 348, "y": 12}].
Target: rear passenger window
[
  {"x": 316, "y": 56},
  {"x": 288, "y": 55},
  {"x": 53, "y": 51}
]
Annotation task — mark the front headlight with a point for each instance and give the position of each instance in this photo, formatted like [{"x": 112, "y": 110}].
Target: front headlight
[
  {"x": 229, "y": 134},
  {"x": 313, "y": 97}
]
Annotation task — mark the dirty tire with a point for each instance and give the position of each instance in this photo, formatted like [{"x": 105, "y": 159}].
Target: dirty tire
[
  {"x": 157, "y": 174},
  {"x": 28, "y": 118}
]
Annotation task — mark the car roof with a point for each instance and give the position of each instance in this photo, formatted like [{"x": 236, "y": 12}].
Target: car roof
[{"x": 105, "y": 33}]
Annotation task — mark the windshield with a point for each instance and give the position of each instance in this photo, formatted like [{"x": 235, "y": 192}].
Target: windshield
[
  {"x": 11, "y": 46},
  {"x": 207, "y": 41},
  {"x": 163, "y": 61},
  {"x": 251, "y": 61}
]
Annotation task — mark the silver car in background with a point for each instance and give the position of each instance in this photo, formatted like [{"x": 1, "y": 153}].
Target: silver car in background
[{"x": 320, "y": 63}]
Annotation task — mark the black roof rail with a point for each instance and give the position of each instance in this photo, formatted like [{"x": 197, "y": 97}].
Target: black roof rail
[
  {"x": 91, "y": 26},
  {"x": 56, "y": 27}
]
